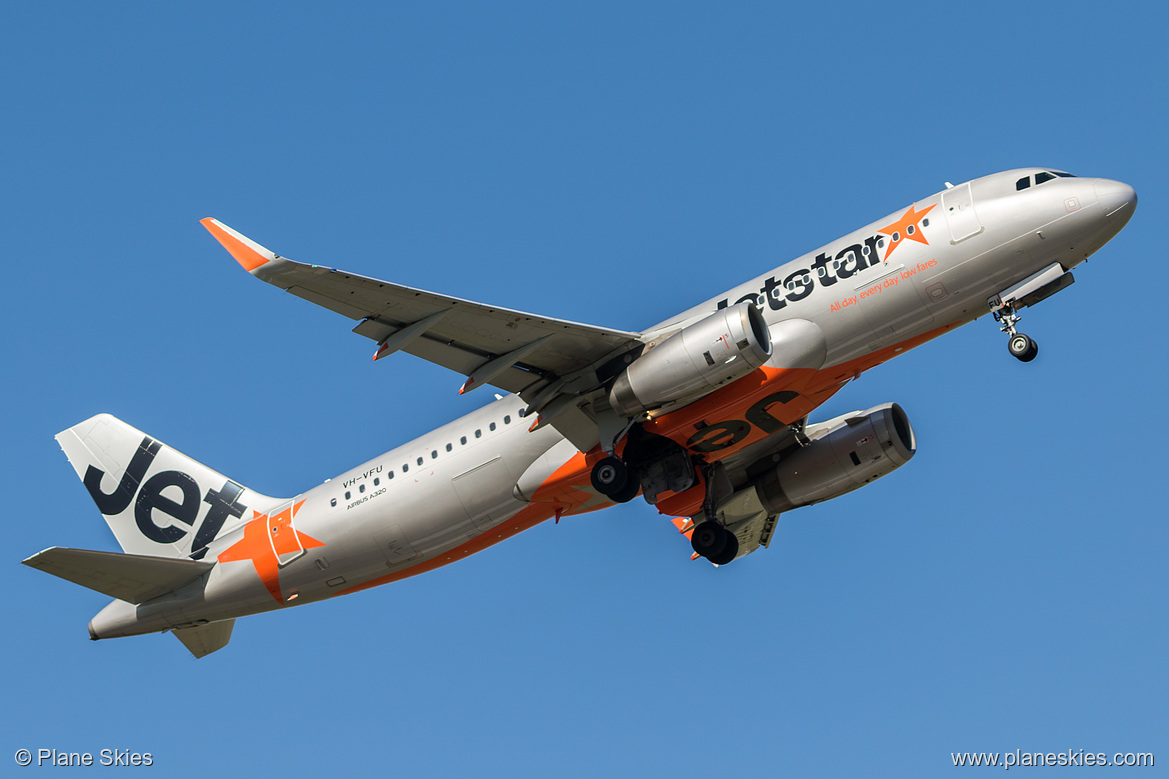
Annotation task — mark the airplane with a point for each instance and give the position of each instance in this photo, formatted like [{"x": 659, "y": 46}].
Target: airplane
[{"x": 705, "y": 415}]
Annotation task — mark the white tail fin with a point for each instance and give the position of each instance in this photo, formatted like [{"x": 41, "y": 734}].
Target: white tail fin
[{"x": 157, "y": 500}]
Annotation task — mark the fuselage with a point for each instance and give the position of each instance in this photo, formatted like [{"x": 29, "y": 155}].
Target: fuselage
[{"x": 872, "y": 294}]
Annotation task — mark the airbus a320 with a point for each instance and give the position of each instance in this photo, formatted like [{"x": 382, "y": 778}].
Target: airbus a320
[{"x": 705, "y": 415}]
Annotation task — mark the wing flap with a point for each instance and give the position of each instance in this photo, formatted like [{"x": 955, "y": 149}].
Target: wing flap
[{"x": 129, "y": 577}]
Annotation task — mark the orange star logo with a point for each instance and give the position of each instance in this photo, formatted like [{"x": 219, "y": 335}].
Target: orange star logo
[
  {"x": 270, "y": 542},
  {"x": 908, "y": 227}
]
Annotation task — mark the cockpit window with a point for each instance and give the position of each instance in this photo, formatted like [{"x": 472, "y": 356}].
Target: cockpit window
[
  {"x": 1064, "y": 175},
  {"x": 1023, "y": 183},
  {"x": 1043, "y": 177}
]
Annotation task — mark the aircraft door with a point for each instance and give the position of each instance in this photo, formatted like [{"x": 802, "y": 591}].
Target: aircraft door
[
  {"x": 958, "y": 206},
  {"x": 282, "y": 535}
]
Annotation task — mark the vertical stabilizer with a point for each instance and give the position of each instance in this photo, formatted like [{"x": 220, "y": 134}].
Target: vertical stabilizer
[{"x": 158, "y": 501}]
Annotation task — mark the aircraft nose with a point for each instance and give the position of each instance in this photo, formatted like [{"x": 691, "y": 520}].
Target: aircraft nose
[{"x": 1118, "y": 199}]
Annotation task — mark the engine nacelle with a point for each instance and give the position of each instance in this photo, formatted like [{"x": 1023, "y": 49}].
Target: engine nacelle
[
  {"x": 695, "y": 361},
  {"x": 845, "y": 453}
]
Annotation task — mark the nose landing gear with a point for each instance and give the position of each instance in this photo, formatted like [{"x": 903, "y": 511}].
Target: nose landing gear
[{"x": 1021, "y": 347}]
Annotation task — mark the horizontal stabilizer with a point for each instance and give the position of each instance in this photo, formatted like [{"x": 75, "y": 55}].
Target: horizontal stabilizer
[
  {"x": 129, "y": 577},
  {"x": 205, "y": 639}
]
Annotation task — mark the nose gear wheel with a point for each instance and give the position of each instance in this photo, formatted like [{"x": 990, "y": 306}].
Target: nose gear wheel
[{"x": 1021, "y": 347}]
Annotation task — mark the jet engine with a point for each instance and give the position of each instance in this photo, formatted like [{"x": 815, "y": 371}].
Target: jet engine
[
  {"x": 695, "y": 361},
  {"x": 842, "y": 454}
]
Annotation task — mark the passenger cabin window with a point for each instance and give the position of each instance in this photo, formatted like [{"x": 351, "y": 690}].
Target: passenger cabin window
[
  {"x": 1023, "y": 183},
  {"x": 346, "y": 494},
  {"x": 433, "y": 454},
  {"x": 463, "y": 441},
  {"x": 491, "y": 426},
  {"x": 332, "y": 501},
  {"x": 405, "y": 467},
  {"x": 507, "y": 420},
  {"x": 361, "y": 488},
  {"x": 1043, "y": 177},
  {"x": 376, "y": 481},
  {"x": 420, "y": 461},
  {"x": 448, "y": 447},
  {"x": 478, "y": 433}
]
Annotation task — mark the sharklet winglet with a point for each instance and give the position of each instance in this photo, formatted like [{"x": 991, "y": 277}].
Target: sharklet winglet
[{"x": 247, "y": 252}]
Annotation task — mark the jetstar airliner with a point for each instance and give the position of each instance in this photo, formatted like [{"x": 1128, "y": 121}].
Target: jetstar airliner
[{"x": 705, "y": 415}]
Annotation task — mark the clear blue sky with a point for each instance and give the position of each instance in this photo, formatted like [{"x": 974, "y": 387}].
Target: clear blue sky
[{"x": 614, "y": 164}]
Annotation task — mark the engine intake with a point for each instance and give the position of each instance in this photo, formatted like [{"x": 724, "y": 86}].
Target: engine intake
[
  {"x": 695, "y": 361},
  {"x": 845, "y": 453}
]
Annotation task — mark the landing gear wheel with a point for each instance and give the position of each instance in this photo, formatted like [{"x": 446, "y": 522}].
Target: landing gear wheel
[
  {"x": 715, "y": 543},
  {"x": 629, "y": 492},
  {"x": 1022, "y": 347},
  {"x": 709, "y": 540},
  {"x": 610, "y": 477},
  {"x": 729, "y": 552}
]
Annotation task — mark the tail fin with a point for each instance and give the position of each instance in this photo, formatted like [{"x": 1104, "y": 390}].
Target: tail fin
[{"x": 158, "y": 501}]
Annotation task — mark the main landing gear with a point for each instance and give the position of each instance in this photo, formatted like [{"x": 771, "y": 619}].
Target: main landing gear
[
  {"x": 714, "y": 542},
  {"x": 615, "y": 480},
  {"x": 658, "y": 466},
  {"x": 1021, "y": 347}
]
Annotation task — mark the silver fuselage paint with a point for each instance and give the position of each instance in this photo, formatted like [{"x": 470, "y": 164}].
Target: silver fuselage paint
[
  {"x": 983, "y": 236},
  {"x": 1020, "y": 233}
]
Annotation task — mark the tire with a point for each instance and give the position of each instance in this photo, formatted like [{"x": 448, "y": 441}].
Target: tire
[
  {"x": 710, "y": 540},
  {"x": 730, "y": 550},
  {"x": 629, "y": 492},
  {"x": 1022, "y": 348},
  {"x": 609, "y": 476}
]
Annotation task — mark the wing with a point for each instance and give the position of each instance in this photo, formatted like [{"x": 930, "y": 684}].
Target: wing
[{"x": 551, "y": 363}]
